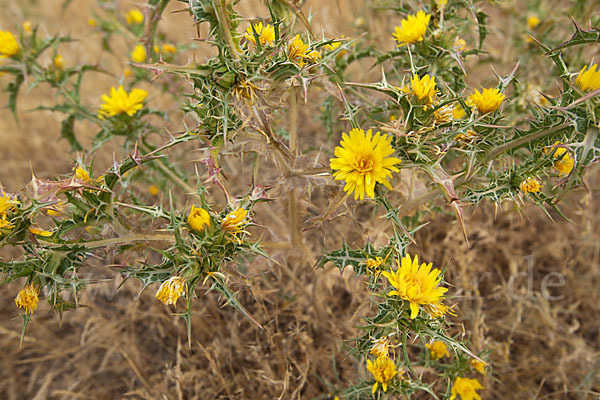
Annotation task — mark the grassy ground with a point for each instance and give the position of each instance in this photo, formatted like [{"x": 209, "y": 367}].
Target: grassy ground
[{"x": 125, "y": 344}]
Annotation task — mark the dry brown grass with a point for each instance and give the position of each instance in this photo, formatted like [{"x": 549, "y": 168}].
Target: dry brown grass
[{"x": 125, "y": 344}]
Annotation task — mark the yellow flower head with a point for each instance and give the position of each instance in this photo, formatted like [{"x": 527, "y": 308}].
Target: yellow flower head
[
  {"x": 139, "y": 54},
  {"x": 4, "y": 224},
  {"x": 235, "y": 221},
  {"x": 444, "y": 114},
  {"x": 153, "y": 190},
  {"x": 533, "y": 21},
  {"x": 59, "y": 62},
  {"x": 588, "y": 80},
  {"x": 459, "y": 45},
  {"x": 412, "y": 28},
  {"x": 380, "y": 347},
  {"x": 478, "y": 366},
  {"x": 423, "y": 88},
  {"x": 198, "y": 219},
  {"x": 458, "y": 112},
  {"x": 565, "y": 163},
  {"x": 134, "y": 16},
  {"x": 169, "y": 49},
  {"x": 419, "y": 285},
  {"x": 466, "y": 387},
  {"x": 28, "y": 298},
  {"x": 383, "y": 370},
  {"x": 27, "y": 26},
  {"x": 7, "y": 204},
  {"x": 171, "y": 290},
  {"x": 362, "y": 161},
  {"x": 8, "y": 44},
  {"x": 437, "y": 310},
  {"x": 530, "y": 185},
  {"x": 82, "y": 174},
  {"x": 40, "y": 232},
  {"x": 488, "y": 100},
  {"x": 120, "y": 102},
  {"x": 266, "y": 34},
  {"x": 374, "y": 263},
  {"x": 91, "y": 22},
  {"x": 297, "y": 50},
  {"x": 438, "y": 350}
]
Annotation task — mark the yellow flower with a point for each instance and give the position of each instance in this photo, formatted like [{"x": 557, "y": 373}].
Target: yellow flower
[
  {"x": 7, "y": 204},
  {"x": 91, "y": 22},
  {"x": 8, "y": 44},
  {"x": 487, "y": 101},
  {"x": 59, "y": 62},
  {"x": 297, "y": 50},
  {"x": 374, "y": 263},
  {"x": 171, "y": 290},
  {"x": 28, "y": 298},
  {"x": 362, "y": 161},
  {"x": 438, "y": 350},
  {"x": 533, "y": 21},
  {"x": 437, "y": 310},
  {"x": 530, "y": 185},
  {"x": 441, "y": 2},
  {"x": 589, "y": 80},
  {"x": 313, "y": 56},
  {"x": 333, "y": 45},
  {"x": 40, "y": 232},
  {"x": 467, "y": 137},
  {"x": 459, "y": 45},
  {"x": 383, "y": 370},
  {"x": 169, "y": 49},
  {"x": 82, "y": 174},
  {"x": 266, "y": 34},
  {"x": 416, "y": 284},
  {"x": 466, "y": 387},
  {"x": 153, "y": 190},
  {"x": 565, "y": 163},
  {"x": 423, "y": 88},
  {"x": 27, "y": 26},
  {"x": 380, "y": 347},
  {"x": 57, "y": 209},
  {"x": 156, "y": 49},
  {"x": 134, "y": 16},
  {"x": 413, "y": 28},
  {"x": 458, "y": 112},
  {"x": 4, "y": 224},
  {"x": 444, "y": 114},
  {"x": 478, "y": 366},
  {"x": 127, "y": 72},
  {"x": 120, "y": 102},
  {"x": 235, "y": 221},
  {"x": 198, "y": 218},
  {"x": 139, "y": 54}
]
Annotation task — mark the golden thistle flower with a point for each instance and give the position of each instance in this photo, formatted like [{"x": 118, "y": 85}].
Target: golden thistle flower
[
  {"x": 374, "y": 263},
  {"x": 565, "y": 163},
  {"x": 458, "y": 112},
  {"x": 438, "y": 350},
  {"x": 198, "y": 219},
  {"x": 40, "y": 232},
  {"x": 444, "y": 114},
  {"x": 530, "y": 185},
  {"x": 419, "y": 285},
  {"x": 235, "y": 222},
  {"x": 139, "y": 54},
  {"x": 383, "y": 370},
  {"x": 82, "y": 174},
  {"x": 362, "y": 161},
  {"x": 4, "y": 224},
  {"x": 7, "y": 204},
  {"x": 487, "y": 101},
  {"x": 533, "y": 21},
  {"x": 59, "y": 62},
  {"x": 28, "y": 298},
  {"x": 169, "y": 49},
  {"x": 266, "y": 34},
  {"x": 437, "y": 310},
  {"x": 8, "y": 44},
  {"x": 466, "y": 387},
  {"x": 27, "y": 26},
  {"x": 422, "y": 88},
  {"x": 459, "y": 45},
  {"x": 91, "y": 22},
  {"x": 412, "y": 28},
  {"x": 171, "y": 290},
  {"x": 134, "y": 16},
  {"x": 297, "y": 50},
  {"x": 478, "y": 366},
  {"x": 120, "y": 102},
  {"x": 380, "y": 347},
  {"x": 588, "y": 80}
]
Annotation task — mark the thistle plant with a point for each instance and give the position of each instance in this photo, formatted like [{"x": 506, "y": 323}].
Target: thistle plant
[{"x": 462, "y": 144}]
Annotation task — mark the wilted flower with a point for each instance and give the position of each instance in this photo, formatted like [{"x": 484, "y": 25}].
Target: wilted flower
[
  {"x": 235, "y": 221},
  {"x": 266, "y": 34},
  {"x": 28, "y": 298},
  {"x": 198, "y": 218},
  {"x": 438, "y": 350},
  {"x": 412, "y": 28},
  {"x": 487, "y": 101},
  {"x": 530, "y": 185},
  {"x": 588, "y": 80},
  {"x": 171, "y": 290},
  {"x": 422, "y": 88},
  {"x": 380, "y": 347},
  {"x": 362, "y": 161},
  {"x": 459, "y": 45},
  {"x": 383, "y": 370},
  {"x": 419, "y": 285},
  {"x": 374, "y": 263},
  {"x": 120, "y": 102},
  {"x": 8, "y": 44},
  {"x": 139, "y": 54},
  {"x": 468, "y": 137},
  {"x": 466, "y": 387},
  {"x": 134, "y": 16}
]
